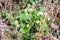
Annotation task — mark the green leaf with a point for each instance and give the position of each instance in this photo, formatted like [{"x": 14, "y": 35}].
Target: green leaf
[
  {"x": 32, "y": 1},
  {"x": 42, "y": 9},
  {"x": 23, "y": 1},
  {"x": 34, "y": 35},
  {"x": 8, "y": 15},
  {"x": 13, "y": 22},
  {"x": 23, "y": 17},
  {"x": 24, "y": 30}
]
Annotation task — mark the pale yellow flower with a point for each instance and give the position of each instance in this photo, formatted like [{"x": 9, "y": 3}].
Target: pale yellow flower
[{"x": 39, "y": 13}]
